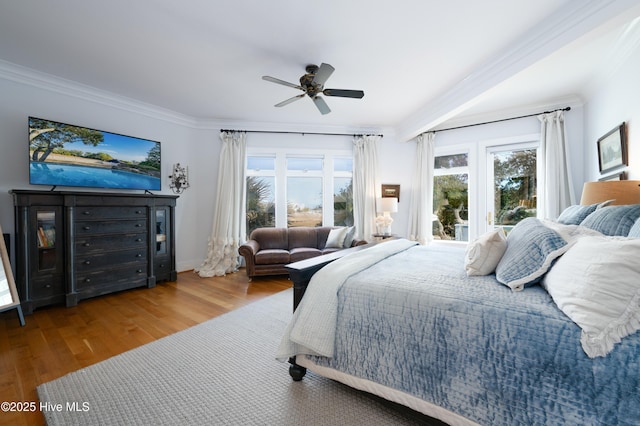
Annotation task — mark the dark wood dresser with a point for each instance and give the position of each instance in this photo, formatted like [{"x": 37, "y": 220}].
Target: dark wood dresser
[{"x": 76, "y": 245}]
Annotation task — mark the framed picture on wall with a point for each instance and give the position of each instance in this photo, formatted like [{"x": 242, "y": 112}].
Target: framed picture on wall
[
  {"x": 612, "y": 149},
  {"x": 392, "y": 191}
]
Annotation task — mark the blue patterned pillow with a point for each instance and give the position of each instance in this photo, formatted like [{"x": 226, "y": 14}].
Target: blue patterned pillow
[
  {"x": 574, "y": 215},
  {"x": 531, "y": 249},
  {"x": 634, "y": 232},
  {"x": 613, "y": 220}
]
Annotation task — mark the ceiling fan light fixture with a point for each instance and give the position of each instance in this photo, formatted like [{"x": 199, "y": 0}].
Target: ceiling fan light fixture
[{"x": 312, "y": 84}]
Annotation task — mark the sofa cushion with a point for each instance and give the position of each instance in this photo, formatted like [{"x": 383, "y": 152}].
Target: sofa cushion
[
  {"x": 271, "y": 256},
  {"x": 302, "y": 253},
  {"x": 303, "y": 237},
  {"x": 336, "y": 238},
  {"x": 271, "y": 238}
]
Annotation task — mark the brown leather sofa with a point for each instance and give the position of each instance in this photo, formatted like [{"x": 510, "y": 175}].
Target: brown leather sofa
[{"x": 270, "y": 249}]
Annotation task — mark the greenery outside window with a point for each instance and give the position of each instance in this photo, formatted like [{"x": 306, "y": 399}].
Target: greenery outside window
[
  {"x": 451, "y": 197},
  {"x": 289, "y": 189},
  {"x": 260, "y": 198}
]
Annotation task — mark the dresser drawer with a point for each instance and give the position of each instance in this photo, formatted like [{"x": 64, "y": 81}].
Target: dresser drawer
[
  {"x": 121, "y": 212},
  {"x": 128, "y": 276},
  {"x": 98, "y": 243},
  {"x": 112, "y": 227},
  {"x": 107, "y": 260},
  {"x": 44, "y": 288}
]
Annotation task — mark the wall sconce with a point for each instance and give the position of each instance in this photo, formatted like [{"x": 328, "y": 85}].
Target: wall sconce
[
  {"x": 386, "y": 205},
  {"x": 179, "y": 179}
]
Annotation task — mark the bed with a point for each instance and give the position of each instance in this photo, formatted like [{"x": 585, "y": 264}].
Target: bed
[{"x": 537, "y": 328}]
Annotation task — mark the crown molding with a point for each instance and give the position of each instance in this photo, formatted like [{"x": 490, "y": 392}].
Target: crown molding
[
  {"x": 574, "y": 19},
  {"x": 27, "y": 76},
  {"x": 30, "y": 77}
]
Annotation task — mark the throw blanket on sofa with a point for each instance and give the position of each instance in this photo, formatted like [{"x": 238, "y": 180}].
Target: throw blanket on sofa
[{"x": 312, "y": 329}]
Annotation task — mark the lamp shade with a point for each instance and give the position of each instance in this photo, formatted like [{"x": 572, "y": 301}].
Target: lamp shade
[
  {"x": 388, "y": 204},
  {"x": 621, "y": 191}
]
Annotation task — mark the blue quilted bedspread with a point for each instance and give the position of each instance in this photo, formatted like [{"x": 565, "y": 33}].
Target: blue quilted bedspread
[{"x": 416, "y": 323}]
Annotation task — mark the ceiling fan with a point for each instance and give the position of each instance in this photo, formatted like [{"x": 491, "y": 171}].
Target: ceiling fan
[{"x": 312, "y": 84}]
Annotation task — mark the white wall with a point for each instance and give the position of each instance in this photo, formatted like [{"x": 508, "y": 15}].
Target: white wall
[
  {"x": 181, "y": 143},
  {"x": 196, "y": 145},
  {"x": 614, "y": 100}
]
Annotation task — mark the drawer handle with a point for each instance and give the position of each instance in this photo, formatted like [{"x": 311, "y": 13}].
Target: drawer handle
[
  {"x": 138, "y": 255},
  {"x": 87, "y": 262},
  {"x": 86, "y": 228},
  {"x": 138, "y": 240},
  {"x": 47, "y": 286},
  {"x": 86, "y": 212},
  {"x": 139, "y": 271},
  {"x": 138, "y": 225},
  {"x": 86, "y": 244},
  {"x": 87, "y": 280},
  {"x": 161, "y": 265},
  {"x": 138, "y": 211}
]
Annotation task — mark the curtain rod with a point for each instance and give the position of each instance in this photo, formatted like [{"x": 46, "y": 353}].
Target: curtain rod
[
  {"x": 297, "y": 133},
  {"x": 498, "y": 121}
]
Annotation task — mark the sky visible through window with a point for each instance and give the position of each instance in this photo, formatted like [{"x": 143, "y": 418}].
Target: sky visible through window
[{"x": 303, "y": 192}]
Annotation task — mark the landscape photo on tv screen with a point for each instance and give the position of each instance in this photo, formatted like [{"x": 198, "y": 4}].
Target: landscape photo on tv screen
[{"x": 67, "y": 155}]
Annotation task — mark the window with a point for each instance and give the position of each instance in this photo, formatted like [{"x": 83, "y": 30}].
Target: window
[
  {"x": 288, "y": 189},
  {"x": 304, "y": 191},
  {"x": 514, "y": 185},
  {"x": 342, "y": 191},
  {"x": 451, "y": 197},
  {"x": 260, "y": 196},
  {"x": 483, "y": 184}
]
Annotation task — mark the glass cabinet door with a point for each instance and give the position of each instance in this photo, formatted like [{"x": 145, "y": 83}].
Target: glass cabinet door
[
  {"x": 161, "y": 232},
  {"x": 46, "y": 236}
]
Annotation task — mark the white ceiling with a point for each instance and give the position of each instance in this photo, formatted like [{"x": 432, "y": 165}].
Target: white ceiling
[{"x": 419, "y": 62}]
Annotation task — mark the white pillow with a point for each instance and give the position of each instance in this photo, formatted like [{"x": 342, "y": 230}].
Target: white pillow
[
  {"x": 596, "y": 283},
  {"x": 484, "y": 253},
  {"x": 336, "y": 238},
  {"x": 349, "y": 236}
]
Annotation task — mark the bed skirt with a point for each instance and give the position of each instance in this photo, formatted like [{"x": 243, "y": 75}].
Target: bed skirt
[{"x": 386, "y": 392}]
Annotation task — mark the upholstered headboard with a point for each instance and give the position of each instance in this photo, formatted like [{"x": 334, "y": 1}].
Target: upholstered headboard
[{"x": 622, "y": 191}]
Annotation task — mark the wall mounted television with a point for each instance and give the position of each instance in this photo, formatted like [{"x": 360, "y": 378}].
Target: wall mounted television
[{"x": 63, "y": 154}]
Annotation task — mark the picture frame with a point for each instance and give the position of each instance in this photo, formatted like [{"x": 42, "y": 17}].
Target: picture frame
[
  {"x": 9, "y": 298},
  {"x": 391, "y": 191},
  {"x": 614, "y": 177},
  {"x": 612, "y": 149}
]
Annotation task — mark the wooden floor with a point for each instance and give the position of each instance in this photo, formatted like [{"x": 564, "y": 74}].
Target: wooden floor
[{"x": 58, "y": 340}]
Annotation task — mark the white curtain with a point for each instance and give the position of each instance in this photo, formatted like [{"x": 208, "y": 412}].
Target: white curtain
[
  {"x": 421, "y": 212},
  {"x": 366, "y": 188},
  {"x": 555, "y": 167},
  {"x": 228, "y": 222}
]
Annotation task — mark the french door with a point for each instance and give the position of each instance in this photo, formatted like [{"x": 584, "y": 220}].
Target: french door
[{"x": 511, "y": 185}]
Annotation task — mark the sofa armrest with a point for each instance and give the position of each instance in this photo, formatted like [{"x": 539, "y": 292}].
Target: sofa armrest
[
  {"x": 356, "y": 243},
  {"x": 250, "y": 248}
]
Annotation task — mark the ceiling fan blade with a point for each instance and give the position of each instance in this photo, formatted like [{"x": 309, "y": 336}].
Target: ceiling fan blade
[
  {"x": 322, "y": 105},
  {"x": 284, "y": 83},
  {"x": 344, "y": 93},
  {"x": 323, "y": 74},
  {"x": 288, "y": 101}
]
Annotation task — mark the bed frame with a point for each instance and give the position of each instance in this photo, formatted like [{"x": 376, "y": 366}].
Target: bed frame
[{"x": 300, "y": 274}]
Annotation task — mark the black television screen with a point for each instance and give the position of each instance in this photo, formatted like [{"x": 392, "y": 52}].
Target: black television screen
[{"x": 68, "y": 155}]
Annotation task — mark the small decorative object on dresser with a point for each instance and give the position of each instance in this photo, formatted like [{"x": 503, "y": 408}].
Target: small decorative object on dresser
[{"x": 76, "y": 245}]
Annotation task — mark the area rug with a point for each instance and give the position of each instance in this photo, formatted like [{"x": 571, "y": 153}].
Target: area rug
[{"x": 220, "y": 372}]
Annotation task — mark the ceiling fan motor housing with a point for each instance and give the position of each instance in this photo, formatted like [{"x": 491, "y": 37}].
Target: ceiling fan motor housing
[{"x": 306, "y": 81}]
